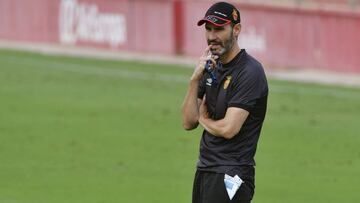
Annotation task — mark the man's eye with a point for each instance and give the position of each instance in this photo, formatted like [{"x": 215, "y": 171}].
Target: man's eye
[{"x": 207, "y": 28}]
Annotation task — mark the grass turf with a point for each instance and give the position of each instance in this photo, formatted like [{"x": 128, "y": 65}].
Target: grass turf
[{"x": 85, "y": 130}]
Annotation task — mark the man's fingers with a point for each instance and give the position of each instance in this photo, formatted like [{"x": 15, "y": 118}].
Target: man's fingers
[
  {"x": 207, "y": 50},
  {"x": 213, "y": 63},
  {"x": 212, "y": 60}
]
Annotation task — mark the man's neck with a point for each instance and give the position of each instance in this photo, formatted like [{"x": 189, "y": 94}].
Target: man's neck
[{"x": 226, "y": 58}]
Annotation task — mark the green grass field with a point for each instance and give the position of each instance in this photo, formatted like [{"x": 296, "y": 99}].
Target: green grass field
[{"x": 97, "y": 131}]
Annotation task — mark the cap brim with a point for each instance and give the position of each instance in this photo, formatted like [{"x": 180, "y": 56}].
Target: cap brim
[{"x": 213, "y": 20}]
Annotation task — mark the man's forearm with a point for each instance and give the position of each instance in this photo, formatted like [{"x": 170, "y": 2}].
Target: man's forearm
[
  {"x": 227, "y": 127},
  {"x": 190, "y": 108},
  {"x": 218, "y": 128}
]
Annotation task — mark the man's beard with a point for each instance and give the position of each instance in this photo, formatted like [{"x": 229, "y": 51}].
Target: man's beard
[{"x": 225, "y": 46}]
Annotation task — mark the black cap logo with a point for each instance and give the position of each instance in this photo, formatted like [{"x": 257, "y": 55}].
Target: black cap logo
[
  {"x": 235, "y": 15},
  {"x": 221, "y": 14}
]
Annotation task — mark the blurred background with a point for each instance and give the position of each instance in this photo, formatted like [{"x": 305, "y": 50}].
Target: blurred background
[
  {"x": 320, "y": 34},
  {"x": 91, "y": 90}
]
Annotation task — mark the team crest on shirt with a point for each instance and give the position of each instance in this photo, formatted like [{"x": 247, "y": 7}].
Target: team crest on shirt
[{"x": 227, "y": 82}]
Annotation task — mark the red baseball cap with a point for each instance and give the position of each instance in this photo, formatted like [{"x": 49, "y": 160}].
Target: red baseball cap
[{"x": 221, "y": 14}]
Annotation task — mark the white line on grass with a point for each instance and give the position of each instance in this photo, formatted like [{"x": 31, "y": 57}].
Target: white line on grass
[
  {"x": 95, "y": 70},
  {"x": 162, "y": 77}
]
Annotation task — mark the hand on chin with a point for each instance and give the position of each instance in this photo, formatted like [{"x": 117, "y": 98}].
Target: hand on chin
[{"x": 215, "y": 51}]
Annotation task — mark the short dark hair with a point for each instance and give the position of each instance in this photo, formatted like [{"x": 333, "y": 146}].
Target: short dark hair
[{"x": 233, "y": 24}]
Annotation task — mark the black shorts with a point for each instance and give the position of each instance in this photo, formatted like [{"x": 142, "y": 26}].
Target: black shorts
[{"x": 209, "y": 187}]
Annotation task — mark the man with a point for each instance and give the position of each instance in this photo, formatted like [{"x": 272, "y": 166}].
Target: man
[{"x": 229, "y": 100}]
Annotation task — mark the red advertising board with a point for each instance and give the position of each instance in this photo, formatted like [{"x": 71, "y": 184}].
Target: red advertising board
[
  {"x": 278, "y": 36},
  {"x": 287, "y": 37}
]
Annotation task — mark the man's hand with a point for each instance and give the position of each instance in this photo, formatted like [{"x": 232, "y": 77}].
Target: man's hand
[
  {"x": 199, "y": 70},
  {"x": 203, "y": 111},
  {"x": 227, "y": 127}
]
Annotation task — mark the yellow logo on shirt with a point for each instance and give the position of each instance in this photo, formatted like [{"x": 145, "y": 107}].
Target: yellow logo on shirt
[{"x": 227, "y": 82}]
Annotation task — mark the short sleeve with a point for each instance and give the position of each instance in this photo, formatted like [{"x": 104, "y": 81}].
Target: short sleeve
[{"x": 248, "y": 87}]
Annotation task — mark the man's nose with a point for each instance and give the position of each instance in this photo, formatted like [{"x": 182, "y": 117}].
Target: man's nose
[{"x": 212, "y": 35}]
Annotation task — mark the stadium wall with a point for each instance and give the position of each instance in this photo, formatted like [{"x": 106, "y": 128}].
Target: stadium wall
[{"x": 287, "y": 37}]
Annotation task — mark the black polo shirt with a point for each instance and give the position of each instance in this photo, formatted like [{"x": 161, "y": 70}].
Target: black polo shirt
[{"x": 241, "y": 83}]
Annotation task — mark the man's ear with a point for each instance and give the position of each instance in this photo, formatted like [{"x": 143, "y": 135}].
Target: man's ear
[{"x": 237, "y": 30}]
